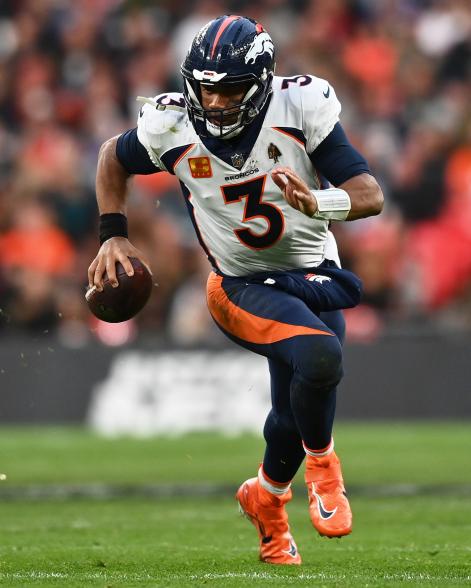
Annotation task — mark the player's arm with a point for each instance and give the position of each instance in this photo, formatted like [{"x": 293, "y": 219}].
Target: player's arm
[
  {"x": 119, "y": 158},
  {"x": 366, "y": 196},
  {"x": 111, "y": 180},
  {"x": 347, "y": 169},
  {"x": 357, "y": 193}
]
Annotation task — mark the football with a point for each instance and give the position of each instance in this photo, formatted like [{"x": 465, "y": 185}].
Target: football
[{"x": 115, "y": 305}]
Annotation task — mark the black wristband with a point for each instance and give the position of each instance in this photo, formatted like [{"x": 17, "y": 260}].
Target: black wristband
[{"x": 113, "y": 224}]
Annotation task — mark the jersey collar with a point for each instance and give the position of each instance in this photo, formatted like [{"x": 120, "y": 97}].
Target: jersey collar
[{"x": 242, "y": 145}]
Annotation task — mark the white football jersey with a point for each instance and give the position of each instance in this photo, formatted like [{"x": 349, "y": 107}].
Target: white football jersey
[{"x": 240, "y": 216}]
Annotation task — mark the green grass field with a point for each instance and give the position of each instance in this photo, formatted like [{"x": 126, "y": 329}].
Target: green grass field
[{"x": 410, "y": 487}]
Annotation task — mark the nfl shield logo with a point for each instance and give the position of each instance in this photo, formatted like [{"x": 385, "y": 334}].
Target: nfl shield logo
[{"x": 237, "y": 160}]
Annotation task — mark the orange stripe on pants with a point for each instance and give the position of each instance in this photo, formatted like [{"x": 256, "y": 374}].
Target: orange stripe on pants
[{"x": 247, "y": 326}]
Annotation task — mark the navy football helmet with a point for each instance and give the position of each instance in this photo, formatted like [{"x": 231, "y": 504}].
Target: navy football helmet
[{"x": 230, "y": 52}]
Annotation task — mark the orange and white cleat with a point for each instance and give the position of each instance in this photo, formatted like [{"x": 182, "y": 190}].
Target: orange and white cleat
[
  {"x": 267, "y": 513},
  {"x": 328, "y": 504}
]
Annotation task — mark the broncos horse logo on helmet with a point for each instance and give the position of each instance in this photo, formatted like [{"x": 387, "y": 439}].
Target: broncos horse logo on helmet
[
  {"x": 261, "y": 44},
  {"x": 230, "y": 51}
]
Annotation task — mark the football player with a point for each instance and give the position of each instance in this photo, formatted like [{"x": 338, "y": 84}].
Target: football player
[{"x": 264, "y": 166}]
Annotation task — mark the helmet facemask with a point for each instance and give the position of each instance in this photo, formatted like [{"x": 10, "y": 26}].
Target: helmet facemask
[{"x": 228, "y": 122}]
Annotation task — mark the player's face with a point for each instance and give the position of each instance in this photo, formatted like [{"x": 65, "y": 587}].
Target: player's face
[{"x": 221, "y": 97}]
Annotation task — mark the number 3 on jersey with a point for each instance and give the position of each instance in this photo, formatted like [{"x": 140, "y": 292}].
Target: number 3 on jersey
[{"x": 255, "y": 207}]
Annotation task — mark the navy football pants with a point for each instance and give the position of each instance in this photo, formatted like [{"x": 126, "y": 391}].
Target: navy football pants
[{"x": 294, "y": 319}]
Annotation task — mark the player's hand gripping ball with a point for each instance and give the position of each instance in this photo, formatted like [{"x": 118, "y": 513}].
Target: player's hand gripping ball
[{"x": 115, "y": 305}]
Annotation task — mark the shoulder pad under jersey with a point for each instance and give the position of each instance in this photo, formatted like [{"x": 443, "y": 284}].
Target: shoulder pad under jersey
[
  {"x": 317, "y": 102},
  {"x": 160, "y": 120}
]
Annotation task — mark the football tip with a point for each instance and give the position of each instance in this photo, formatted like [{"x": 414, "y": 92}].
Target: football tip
[{"x": 89, "y": 293}]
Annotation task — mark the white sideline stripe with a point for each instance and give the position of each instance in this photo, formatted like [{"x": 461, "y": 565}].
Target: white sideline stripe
[
  {"x": 401, "y": 576},
  {"x": 323, "y": 576},
  {"x": 266, "y": 576}
]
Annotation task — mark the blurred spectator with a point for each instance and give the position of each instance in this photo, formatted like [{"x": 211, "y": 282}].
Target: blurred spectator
[
  {"x": 34, "y": 242},
  {"x": 69, "y": 76},
  {"x": 34, "y": 255}
]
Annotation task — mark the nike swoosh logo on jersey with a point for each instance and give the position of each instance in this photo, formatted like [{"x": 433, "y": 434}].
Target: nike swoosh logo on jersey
[
  {"x": 327, "y": 94},
  {"x": 325, "y": 514}
]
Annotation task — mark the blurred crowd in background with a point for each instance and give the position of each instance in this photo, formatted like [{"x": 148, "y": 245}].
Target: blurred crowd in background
[{"x": 69, "y": 75}]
